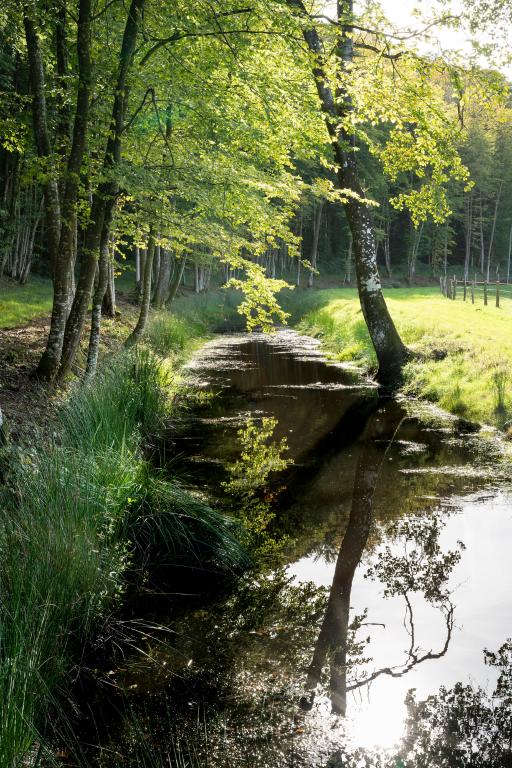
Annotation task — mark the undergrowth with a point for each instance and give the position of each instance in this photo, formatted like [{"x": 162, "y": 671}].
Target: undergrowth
[{"x": 82, "y": 518}]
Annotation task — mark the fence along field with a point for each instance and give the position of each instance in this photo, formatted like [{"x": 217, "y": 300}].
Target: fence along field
[{"x": 453, "y": 288}]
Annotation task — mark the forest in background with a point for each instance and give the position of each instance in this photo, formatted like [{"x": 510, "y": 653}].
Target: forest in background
[{"x": 182, "y": 144}]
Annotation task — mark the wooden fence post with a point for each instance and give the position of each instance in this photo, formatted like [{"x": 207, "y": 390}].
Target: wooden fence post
[
  {"x": 465, "y": 289},
  {"x": 473, "y": 292},
  {"x": 454, "y": 287},
  {"x": 498, "y": 293},
  {"x": 485, "y": 293}
]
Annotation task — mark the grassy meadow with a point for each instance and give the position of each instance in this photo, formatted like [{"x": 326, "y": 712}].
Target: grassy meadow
[
  {"x": 21, "y": 303},
  {"x": 463, "y": 352}
]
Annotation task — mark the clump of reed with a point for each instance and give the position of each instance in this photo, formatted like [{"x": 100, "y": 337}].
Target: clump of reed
[{"x": 76, "y": 520}]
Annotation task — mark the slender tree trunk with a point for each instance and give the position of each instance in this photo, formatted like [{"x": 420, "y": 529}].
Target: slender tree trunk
[
  {"x": 104, "y": 198},
  {"x": 179, "y": 271},
  {"x": 164, "y": 279},
  {"x": 50, "y": 359},
  {"x": 137, "y": 268},
  {"x": 97, "y": 304},
  {"x": 390, "y": 351},
  {"x": 482, "y": 244},
  {"x": 109, "y": 300},
  {"x": 469, "y": 230},
  {"x": 65, "y": 224},
  {"x": 445, "y": 265},
  {"x": 316, "y": 237},
  {"x": 415, "y": 245},
  {"x": 142, "y": 322},
  {"x": 156, "y": 265},
  {"x": 493, "y": 230},
  {"x": 387, "y": 238},
  {"x": 509, "y": 254},
  {"x": 88, "y": 264}
]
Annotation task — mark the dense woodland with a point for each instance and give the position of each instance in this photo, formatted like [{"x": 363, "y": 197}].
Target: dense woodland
[{"x": 224, "y": 141}]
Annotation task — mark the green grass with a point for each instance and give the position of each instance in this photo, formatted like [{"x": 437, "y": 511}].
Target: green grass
[
  {"x": 21, "y": 303},
  {"x": 81, "y": 519},
  {"x": 472, "y": 380}
]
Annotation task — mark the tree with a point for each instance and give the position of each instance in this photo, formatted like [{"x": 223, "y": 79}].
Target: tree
[
  {"x": 337, "y": 106},
  {"x": 60, "y": 213}
]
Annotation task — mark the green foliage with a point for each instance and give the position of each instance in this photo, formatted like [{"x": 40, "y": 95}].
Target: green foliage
[
  {"x": 260, "y": 306},
  {"x": 261, "y": 457}
]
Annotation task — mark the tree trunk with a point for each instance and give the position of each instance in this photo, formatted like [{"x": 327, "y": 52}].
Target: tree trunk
[
  {"x": 61, "y": 217},
  {"x": 179, "y": 271},
  {"x": 316, "y": 236},
  {"x": 104, "y": 198},
  {"x": 413, "y": 251},
  {"x": 446, "y": 237},
  {"x": 156, "y": 264},
  {"x": 137, "y": 268},
  {"x": 109, "y": 299},
  {"x": 390, "y": 351},
  {"x": 142, "y": 322},
  {"x": 88, "y": 264},
  {"x": 493, "y": 230},
  {"x": 97, "y": 303},
  {"x": 509, "y": 254},
  {"x": 468, "y": 232},
  {"x": 164, "y": 279},
  {"x": 387, "y": 238},
  {"x": 482, "y": 244},
  {"x": 51, "y": 356}
]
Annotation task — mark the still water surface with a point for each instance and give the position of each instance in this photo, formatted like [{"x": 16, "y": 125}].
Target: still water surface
[{"x": 397, "y": 571}]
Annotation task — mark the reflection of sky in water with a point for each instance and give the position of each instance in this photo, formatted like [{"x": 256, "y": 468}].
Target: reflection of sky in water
[
  {"x": 426, "y": 471},
  {"x": 483, "y": 606}
]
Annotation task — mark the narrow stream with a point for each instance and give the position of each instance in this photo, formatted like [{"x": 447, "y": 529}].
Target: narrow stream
[{"x": 395, "y": 574}]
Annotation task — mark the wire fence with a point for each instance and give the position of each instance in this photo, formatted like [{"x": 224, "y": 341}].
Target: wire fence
[{"x": 475, "y": 290}]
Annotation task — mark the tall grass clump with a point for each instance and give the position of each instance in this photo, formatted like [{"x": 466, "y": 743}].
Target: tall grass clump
[
  {"x": 500, "y": 377},
  {"x": 170, "y": 332},
  {"x": 78, "y": 520}
]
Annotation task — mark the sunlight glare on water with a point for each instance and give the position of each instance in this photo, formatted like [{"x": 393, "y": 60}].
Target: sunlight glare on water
[{"x": 483, "y": 605}]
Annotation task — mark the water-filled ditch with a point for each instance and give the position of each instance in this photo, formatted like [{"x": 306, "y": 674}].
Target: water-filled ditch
[{"x": 394, "y": 577}]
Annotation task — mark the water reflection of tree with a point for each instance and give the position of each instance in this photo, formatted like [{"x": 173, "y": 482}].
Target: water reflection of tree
[
  {"x": 463, "y": 727},
  {"x": 423, "y": 568}
]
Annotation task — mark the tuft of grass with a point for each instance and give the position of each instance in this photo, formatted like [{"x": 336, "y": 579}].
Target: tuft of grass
[
  {"x": 500, "y": 377},
  {"x": 129, "y": 395},
  {"x": 170, "y": 332}
]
